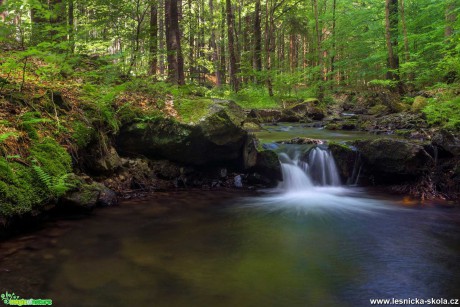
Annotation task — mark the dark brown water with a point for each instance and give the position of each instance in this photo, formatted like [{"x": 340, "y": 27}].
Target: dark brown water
[{"x": 221, "y": 249}]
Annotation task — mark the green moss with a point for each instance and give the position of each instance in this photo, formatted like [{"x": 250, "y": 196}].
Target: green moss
[
  {"x": 21, "y": 189},
  {"x": 378, "y": 109},
  {"x": 419, "y": 103},
  {"x": 192, "y": 110},
  {"x": 82, "y": 133},
  {"x": 443, "y": 113}
]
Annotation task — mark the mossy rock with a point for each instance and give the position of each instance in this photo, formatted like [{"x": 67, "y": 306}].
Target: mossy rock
[
  {"x": 269, "y": 166},
  {"x": 419, "y": 103},
  {"x": 86, "y": 195},
  {"x": 391, "y": 160},
  {"x": 345, "y": 157},
  {"x": 378, "y": 110},
  {"x": 216, "y": 138}
]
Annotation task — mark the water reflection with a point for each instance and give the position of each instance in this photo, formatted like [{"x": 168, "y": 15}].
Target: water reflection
[{"x": 212, "y": 249}]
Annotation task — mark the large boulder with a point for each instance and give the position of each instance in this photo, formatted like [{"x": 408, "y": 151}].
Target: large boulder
[
  {"x": 448, "y": 142},
  {"x": 392, "y": 161},
  {"x": 217, "y": 138},
  {"x": 310, "y": 109},
  {"x": 266, "y": 115}
]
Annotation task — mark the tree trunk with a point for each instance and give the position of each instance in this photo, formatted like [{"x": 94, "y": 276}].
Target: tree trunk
[
  {"x": 319, "y": 51},
  {"x": 153, "y": 61},
  {"x": 215, "y": 52},
  {"x": 223, "y": 60},
  {"x": 175, "y": 60},
  {"x": 391, "y": 35},
  {"x": 234, "y": 82},
  {"x": 257, "y": 40},
  {"x": 269, "y": 44},
  {"x": 334, "y": 51},
  {"x": 161, "y": 33},
  {"x": 191, "y": 41}
]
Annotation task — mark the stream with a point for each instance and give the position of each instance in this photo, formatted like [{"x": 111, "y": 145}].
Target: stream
[{"x": 312, "y": 241}]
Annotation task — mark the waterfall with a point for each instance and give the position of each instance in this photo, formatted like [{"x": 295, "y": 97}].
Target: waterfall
[{"x": 317, "y": 168}]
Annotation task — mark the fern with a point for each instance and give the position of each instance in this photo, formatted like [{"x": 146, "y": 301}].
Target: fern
[
  {"x": 44, "y": 177},
  {"x": 57, "y": 186},
  {"x": 5, "y": 136}
]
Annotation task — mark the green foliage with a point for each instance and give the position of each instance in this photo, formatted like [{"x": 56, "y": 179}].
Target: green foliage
[
  {"x": 82, "y": 133},
  {"x": 23, "y": 187},
  {"x": 444, "y": 113},
  {"x": 29, "y": 121},
  {"x": 192, "y": 110},
  {"x": 99, "y": 102},
  {"x": 7, "y": 135},
  {"x": 385, "y": 84},
  {"x": 255, "y": 97},
  {"x": 57, "y": 186}
]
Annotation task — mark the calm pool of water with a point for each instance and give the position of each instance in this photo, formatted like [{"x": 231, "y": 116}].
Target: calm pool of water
[
  {"x": 286, "y": 131},
  {"x": 222, "y": 249}
]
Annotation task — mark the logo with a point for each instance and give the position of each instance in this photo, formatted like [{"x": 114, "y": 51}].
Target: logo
[{"x": 14, "y": 300}]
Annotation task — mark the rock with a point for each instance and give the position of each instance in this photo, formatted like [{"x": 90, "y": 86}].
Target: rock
[
  {"x": 216, "y": 139},
  {"x": 265, "y": 115},
  {"x": 164, "y": 169},
  {"x": 449, "y": 142},
  {"x": 107, "y": 197},
  {"x": 394, "y": 160},
  {"x": 238, "y": 181},
  {"x": 289, "y": 116},
  {"x": 345, "y": 158},
  {"x": 99, "y": 160},
  {"x": 86, "y": 196},
  {"x": 419, "y": 103},
  {"x": 250, "y": 152},
  {"x": 268, "y": 165},
  {"x": 309, "y": 109},
  {"x": 301, "y": 141},
  {"x": 252, "y": 125}
]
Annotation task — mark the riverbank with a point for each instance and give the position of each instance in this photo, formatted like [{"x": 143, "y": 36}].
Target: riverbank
[{"x": 75, "y": 144}]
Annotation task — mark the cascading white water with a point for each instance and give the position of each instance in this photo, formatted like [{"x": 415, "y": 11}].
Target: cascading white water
[
  {"x": 312, "y": 185},
  {"x": 319, "y": 170},
  {"x": 323, "y": 169},
  {"x": 295, "y": 177}
]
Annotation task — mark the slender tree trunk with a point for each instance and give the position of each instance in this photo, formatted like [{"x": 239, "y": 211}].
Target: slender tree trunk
[
  {"x": 269, "y": 44},
  {"x": 223, "y": 56},
  {"x": 191, "y": 42},
  {"x": 161, "y": 34},
  {"x": 215, "y": 52},
  {"x": 334, "y": 40},
  {"x": 404, "y": 28},
  {"x": 391, "y": 35},
  {"x": 175, "y": 60},
  {"x": 319, "y": 51},
  {"x": 234, "y": 82},
  {"x": 153, "y": 61},
  {"x": 257, "y": 40}
]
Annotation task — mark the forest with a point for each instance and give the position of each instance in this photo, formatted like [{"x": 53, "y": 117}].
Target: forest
[
  {"x": 229, "y": 152},
  {"x": 76, "y": 74}
]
